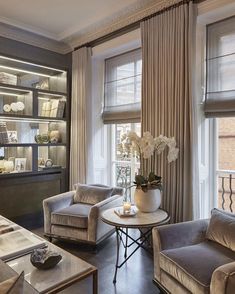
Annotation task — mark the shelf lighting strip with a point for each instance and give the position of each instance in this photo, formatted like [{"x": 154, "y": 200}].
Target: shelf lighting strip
[
  {"x": 25, "y": 71},
  {"x": 38, "y": 120},
  {"x": 50, "y": 94},
  {"x": 10, "y": 94},
  {"x": 24, "y": 62}
]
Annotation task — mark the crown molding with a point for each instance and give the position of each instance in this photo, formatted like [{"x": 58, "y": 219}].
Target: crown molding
[
  {"x": 209, "y": 5},
  {"x": 119, "y": 20},
  {"x": 63, "y": 43},
  {"x": 18, "y": 34},
  {"x": 28, "y": 28}
]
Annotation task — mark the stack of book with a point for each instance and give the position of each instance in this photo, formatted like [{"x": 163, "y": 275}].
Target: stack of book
[
  {"x": 3, "y": 133},
  {"x": 53, "y": 108},
  {"x": 7, "y": 78}
]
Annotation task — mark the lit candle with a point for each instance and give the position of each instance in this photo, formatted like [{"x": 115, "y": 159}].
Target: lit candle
[{"x": 126, "y": 207}]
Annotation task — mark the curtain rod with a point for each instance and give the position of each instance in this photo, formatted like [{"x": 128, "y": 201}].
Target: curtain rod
[{"x": 131, "y": 27}]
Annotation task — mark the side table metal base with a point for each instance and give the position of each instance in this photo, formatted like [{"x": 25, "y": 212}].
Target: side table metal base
[{"x": 144, "y": 237}]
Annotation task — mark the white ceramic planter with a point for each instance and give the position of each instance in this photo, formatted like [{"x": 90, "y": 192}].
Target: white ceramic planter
[{"x": 148, "y": 201}]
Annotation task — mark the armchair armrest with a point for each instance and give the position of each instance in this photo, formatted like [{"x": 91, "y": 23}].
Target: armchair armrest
[
  {"x": 96, "y": 227},
  {"x": 54, "y": 203},
  {"x": 223, "y": 279},
  {"x": 175, "y": 236}
]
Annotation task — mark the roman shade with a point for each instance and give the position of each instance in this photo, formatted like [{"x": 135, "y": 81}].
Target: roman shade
[
  {"x": 123, "y": 88},
  {"x": 220, "y": 90}
]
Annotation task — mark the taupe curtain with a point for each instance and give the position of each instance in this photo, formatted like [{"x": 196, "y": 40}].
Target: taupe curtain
[
  {"x": 80, "y": 109},
  {"x": 167, "y": 45}
]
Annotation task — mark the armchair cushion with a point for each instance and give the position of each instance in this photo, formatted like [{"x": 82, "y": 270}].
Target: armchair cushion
[
  {"x": 75, "y": 216},
  {"x": 91, "y": 194},
  {"x": 221, "y": 228},
  {"x": 193, "y": 265}
]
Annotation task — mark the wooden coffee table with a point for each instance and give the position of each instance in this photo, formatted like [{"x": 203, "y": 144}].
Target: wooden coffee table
[
  {"x": 70, "y": 270},
  {"x": 140, "y": 221}
]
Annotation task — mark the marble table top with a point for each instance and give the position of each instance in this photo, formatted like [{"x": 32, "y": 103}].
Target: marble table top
[
  {"x": 69, "y": 269},
  {"x": 140, "y": 220}
]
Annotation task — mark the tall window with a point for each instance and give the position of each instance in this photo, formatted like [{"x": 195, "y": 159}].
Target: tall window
[
  {"x": 220, "y": 106},
  {"x": 122, "y": 107}
]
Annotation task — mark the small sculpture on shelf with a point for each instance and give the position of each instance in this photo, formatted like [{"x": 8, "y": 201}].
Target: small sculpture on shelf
[
  {"x": 42, "y": 139},
  {"x": 44, "y": 259},
  {"x": 14, "y": 107},
  {"x": 53, "y": 137}
]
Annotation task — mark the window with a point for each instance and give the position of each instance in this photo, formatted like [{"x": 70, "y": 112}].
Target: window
[
  {"x": 226, "y": 162},
  {"x": 123, "y": 88},
  {"x": 122, "y": 107},
  {"x": 220, "y": 107},
  {"x": 124, "y": 169},
  {"x": 220, "y": 94}
]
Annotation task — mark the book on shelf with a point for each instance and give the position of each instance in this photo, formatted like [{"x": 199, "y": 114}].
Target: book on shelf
[
  {"x": 53, "y": 108},
  {"x": 7, "y": 78},
  {"x": 57, "y": 108},
  {"x": 47, "y": 109},
  {"x": 43, "y": 109},
  {"x": 3, "y": 133}
]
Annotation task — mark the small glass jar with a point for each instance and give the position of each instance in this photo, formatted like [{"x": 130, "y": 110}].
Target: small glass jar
[{"x": 127, "y": 203}]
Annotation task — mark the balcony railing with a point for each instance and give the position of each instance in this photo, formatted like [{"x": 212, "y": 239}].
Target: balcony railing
[{"x": 226, "y": 189}]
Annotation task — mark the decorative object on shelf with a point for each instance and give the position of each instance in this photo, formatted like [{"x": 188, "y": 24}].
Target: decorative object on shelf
[
  {"x": 7, "y": 108},
  {"x": 2, "y": 168},
  {"x": 43, "y": 84},
  {"x": 20, "y": 106},
  {"x": 8, "y": 166},
  {"x": 48, "y": 163},
  {"x": 42, "y": 139},
  {"x": 14, "y": 106},
  {"x": 148, "y": 187},
  {"x": 20, "y": 164},
  {"x": 12, "y": 136},
  {"x": 3, "y": 133},
  {"x": 7, "y": 78},
  {"x": 41, "y": 161},
  {"x": 44, "y": 259},
  {"x": 55, "y": 136}
]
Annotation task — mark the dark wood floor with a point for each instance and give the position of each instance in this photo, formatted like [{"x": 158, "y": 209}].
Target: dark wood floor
[{"x": 135, "y": 277}]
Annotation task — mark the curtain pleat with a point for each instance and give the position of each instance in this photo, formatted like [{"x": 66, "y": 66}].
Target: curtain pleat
[
  {"x": 167, "y": 41},
  {"x": 80, "y": 109}
]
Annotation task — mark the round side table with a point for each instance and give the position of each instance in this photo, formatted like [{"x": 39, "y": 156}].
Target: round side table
[{"x": 140, "y": 221}]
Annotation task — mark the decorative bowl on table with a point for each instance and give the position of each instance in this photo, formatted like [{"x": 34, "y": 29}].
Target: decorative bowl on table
[{"x": 44, "y": 259}]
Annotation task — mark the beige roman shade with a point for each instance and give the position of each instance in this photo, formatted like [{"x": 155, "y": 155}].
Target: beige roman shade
[
  {"x": 220, "y": 90},
  {"x": 123, "y": 88}
]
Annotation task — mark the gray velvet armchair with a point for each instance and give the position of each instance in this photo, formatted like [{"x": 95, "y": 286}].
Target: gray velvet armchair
[
  {"x": 197, "y": 256},
  {"x": 65, "y": 218}
]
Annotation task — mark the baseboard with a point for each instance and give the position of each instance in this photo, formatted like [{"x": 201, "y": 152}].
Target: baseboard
[{"x": 160, "y": 287}]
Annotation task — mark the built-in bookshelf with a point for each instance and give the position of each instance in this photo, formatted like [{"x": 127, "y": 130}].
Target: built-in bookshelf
[{"x": 33, "y": 117}]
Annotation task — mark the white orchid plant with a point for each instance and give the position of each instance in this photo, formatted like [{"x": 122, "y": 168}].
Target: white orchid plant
[{"x": 144, "y": 148}]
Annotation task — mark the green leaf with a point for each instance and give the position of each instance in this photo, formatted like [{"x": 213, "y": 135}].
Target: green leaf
[{"x": 140, "y": 180}]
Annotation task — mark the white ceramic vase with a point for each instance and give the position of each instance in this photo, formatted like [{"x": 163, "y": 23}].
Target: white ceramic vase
[{"x": 148, "y": 201}]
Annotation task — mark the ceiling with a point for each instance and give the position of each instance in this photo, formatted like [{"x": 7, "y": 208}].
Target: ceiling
[{"x": 61, "y": 19}]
